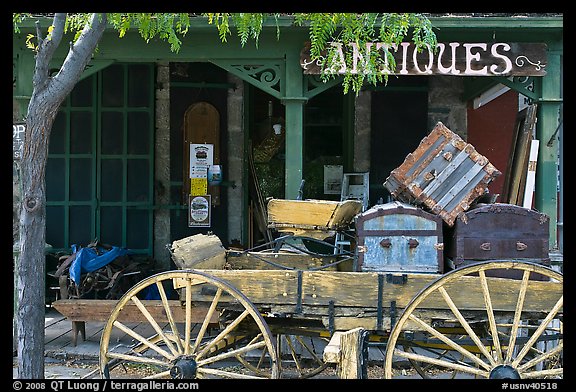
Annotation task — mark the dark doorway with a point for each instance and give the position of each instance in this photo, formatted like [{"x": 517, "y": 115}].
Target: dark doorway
[
  {"x": 192, "y": 83},
  {"x": 399, "y": 122}
]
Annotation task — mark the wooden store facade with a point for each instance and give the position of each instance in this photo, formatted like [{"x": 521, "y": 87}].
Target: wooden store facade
[{"x": 127, "y": 143}]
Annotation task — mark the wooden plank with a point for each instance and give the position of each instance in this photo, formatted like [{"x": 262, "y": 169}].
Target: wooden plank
[
  {"x": 261, "y": 287},
  {"x": 266, "y": 261},
  {"x": 345, "y": 350},
  {"x": 360, "y": 290},
  {"x": 519, "y": 164},
  {"x": 100, "y": 310},
  {"x": 352, "y": 363},
  {"x": 531, "y": 175}
]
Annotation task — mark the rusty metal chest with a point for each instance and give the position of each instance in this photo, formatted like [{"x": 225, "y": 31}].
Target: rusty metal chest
[
  {"x": 498, "y": 231},
  {"x": 444, "y": 173},
  {"x": 399, "y": 237}
]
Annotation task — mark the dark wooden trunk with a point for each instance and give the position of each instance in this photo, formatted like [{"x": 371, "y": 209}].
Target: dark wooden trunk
[
  {"x": 498, "y": 231},
  {"x": 398, "y": 237}
]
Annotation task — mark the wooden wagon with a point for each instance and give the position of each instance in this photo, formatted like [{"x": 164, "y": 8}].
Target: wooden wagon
[{"x": 270, "y": 313}]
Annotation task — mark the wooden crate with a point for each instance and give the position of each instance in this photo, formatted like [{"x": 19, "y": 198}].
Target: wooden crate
[
  {"x": 445, "y": 174},
  {"x": 399, "y": 237},
  {"x": 313, "y": 218}
]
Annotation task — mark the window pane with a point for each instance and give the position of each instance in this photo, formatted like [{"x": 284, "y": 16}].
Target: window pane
[
  {"x": 58, "y": 134},
  {"x": 80, "y": 225},
  {"x": 81, "y": 179},
  {"x": 139, "y": 85},
  {"x": 113, "y": 86},
  {"x": 55, "y": 179},
  {"x": 81, "y": 95},
  {"x": 112, "y": 133},
  {"x": 138, "y": 133},
  {"x": 138, "y": 180},
  {"x": 80, "y": 132},
  {"x": 55, "y": 226},
  {"x": 137, "y": 229},
  {"x": 112, "y": 178},
  {"x": 111, "y": 226}
]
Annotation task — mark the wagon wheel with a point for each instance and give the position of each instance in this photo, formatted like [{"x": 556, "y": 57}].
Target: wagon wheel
[
  {"x": 182, "y": 348},
  {"x": 299, "y": 356},
  {"x": 519, "y": 343}
]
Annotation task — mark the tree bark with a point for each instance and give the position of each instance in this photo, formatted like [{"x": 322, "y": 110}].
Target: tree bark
[{"x": 48, "y": 93}]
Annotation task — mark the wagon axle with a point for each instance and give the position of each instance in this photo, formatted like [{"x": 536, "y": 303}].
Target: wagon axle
[
  {"x": 184, "y": 367},
  {"x": 504, "y": 372}
]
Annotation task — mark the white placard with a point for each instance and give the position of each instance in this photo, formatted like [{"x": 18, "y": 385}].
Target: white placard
[{"x": 201, "y": 155}]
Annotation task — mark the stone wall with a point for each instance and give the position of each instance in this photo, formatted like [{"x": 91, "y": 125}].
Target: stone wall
[
  {"x": 162, "y": 166},
  {"x": 235, "y": 170}
]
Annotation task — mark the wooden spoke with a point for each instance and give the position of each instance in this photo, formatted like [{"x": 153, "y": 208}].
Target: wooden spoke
[
  {"x": 542, "y": 357},
  {"x": 184, "y": 349},
  {"x": 539, "y": 331},
  {"x": 154, "y": 324},
  {"x": 466, "y": 326},
  {"x": 490, "y": 312},
  {"x": 232, "y": 353},
  {"x": 165, "y": 374},
  {"x": 188, "y": 327},
  {"x": 544, "y": 373},
  {"x": 442, "y": 363},
  {"x": 310, "y": 350},
  {"x": 222, "y": 334},
  {"x": 450, "y": 342},
  {"x": 517, "y": 315},
  {"x": 143, "y": 340},
  {"x": 207, "y": 319},
  {"x": 170, "y": 317},
  {"x": 226, "y": 374},
  {"x": 138, "y": 359},
  {"x": 492, "y": 336}
]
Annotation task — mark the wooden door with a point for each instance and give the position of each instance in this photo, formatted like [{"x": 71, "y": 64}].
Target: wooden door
[{"x": 201, "y": 126}]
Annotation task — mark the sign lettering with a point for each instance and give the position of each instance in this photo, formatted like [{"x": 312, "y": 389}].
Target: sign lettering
[
  {"x": 18, "y": 131},
  {"x": 450, "y": 58}
]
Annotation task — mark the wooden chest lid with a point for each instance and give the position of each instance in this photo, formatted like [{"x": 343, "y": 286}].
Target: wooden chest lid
[{"x": 486, "y": 217}]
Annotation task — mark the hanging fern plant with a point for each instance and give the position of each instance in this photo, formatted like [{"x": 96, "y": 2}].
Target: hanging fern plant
[{"x": 341, "y": 43}]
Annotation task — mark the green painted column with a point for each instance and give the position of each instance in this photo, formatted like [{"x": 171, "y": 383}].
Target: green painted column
[
  {"x": 294, "y": 101},
  {"x": 546, "y": 199}
]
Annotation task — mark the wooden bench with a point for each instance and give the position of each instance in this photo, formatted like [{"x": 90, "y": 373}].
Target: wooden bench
[{"x": 79, "y": 311}]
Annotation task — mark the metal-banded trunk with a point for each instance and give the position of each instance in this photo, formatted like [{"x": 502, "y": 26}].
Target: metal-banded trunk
[{"x": 444, "y": 173}]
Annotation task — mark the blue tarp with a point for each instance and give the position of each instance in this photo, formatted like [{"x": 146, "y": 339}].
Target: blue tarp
[{"x": 91, "y": 259}]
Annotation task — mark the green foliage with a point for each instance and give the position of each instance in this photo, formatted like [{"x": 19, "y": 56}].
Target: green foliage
[{"x": 331, "y": 36}]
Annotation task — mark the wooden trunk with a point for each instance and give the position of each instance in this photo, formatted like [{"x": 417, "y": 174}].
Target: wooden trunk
[
  {"x": 399, "y": 237},
  {"x": 445, "y": 174},
  {"x": 498, "y": 231}
]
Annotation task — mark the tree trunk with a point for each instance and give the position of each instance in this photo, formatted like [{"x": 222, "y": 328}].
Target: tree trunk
[
  {"x": 31, "y": 275},
  {"x": 49, "y": 92}
]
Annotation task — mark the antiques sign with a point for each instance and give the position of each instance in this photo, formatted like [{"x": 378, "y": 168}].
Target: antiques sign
[
  {"x": 18, "y": 131},
  {"x": 449, "y": 58}
]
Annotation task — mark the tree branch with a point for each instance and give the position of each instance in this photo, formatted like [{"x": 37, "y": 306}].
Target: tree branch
[
  {"x": 79, "y": 55},
  {"x": 46, "y": 49}
]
